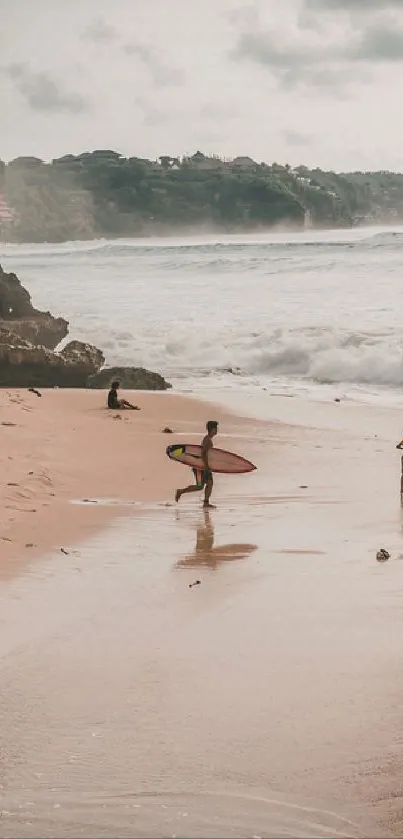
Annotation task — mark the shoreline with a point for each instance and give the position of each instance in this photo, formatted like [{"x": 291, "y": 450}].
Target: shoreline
[{"x": 67, "y": 447}]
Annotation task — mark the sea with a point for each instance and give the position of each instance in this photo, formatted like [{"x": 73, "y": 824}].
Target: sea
[{"x": 315, "y": 314}]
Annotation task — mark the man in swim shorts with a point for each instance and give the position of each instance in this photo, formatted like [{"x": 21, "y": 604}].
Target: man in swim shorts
[{"x": 204, "y": 475}]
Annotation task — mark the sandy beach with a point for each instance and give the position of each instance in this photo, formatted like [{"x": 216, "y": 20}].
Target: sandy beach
[
  {"x": 262, "y": 701},
  {"x": 66, "y": 446}
]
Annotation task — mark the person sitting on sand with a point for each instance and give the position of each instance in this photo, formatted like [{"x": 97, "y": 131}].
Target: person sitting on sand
[
  {"x": 119, "y": 404},
  {"x": 203, "y": 477}
]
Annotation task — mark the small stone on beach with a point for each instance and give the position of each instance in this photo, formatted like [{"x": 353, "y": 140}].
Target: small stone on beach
[{"x": 382, "y": 555}]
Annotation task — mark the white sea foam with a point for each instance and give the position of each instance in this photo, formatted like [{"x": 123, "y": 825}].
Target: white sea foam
[{"x": 314, "y": 307}]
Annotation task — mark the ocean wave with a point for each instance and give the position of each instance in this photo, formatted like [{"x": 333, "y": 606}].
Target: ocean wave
[
  {"x": 330, "y": 356},
  {"x": 197, "y": 309},
  {"x": 321, "y": 355},
  {"x": 360, "y": 238}
]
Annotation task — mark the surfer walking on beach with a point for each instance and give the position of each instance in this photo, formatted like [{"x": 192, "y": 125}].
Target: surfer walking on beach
[{"x": 204, "y": 476}]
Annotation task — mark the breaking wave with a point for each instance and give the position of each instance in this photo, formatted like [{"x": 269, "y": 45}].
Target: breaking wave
[
  {"x": 320, "y": 307},
  {"x": 324, "y": 356},
  {"x": 330, "y": 356},
  {"x": 360, "y": 238}
]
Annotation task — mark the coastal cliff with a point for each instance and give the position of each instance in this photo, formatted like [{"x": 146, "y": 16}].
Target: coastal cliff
[{"x": 103, "y": 194}]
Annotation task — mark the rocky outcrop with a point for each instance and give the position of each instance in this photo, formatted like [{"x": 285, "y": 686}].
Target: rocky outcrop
[
  {"x": 42, "y": 331},
  {"x": 28, "y": 338},
  {"x": 20, "y": 316},
  {"x": 89, "y": 358},
  {"x": 24, "y": 365},
  {"x": 131, "y": 378}
]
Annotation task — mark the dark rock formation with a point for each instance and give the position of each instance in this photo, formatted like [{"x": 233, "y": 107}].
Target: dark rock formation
[
  {"x": 24, "y": 365},
  {"x": 19, "y": 315},
  {"x": 86, "y": 356},
  {"x": 42, "y": 331},
  {"x": 131, "y": 378},
  {"x": 28, "y": 338}
]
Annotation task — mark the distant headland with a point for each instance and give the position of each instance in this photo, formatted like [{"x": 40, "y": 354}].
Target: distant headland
[{"x": 104, "y": 194}]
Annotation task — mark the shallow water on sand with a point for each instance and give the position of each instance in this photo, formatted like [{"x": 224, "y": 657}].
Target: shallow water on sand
[{"x": 255, "y": 703}]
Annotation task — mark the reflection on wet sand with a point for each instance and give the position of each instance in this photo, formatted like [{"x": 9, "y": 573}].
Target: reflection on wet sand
[{"x": 206, "y": 554}]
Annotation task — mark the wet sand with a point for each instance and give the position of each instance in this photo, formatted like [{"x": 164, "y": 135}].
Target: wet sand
[
  {"x": 66, "y": 445},
  {"x": 264, "y": 700}
]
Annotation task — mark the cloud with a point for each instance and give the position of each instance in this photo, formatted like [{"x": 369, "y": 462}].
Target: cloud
[
  {"x": 358, "y": 12},
  {"x": 378, "y": 43},
  {"x": 330, "y": 58},
  {"x": 265, "y": 48},
  {"x": 161, "y": 73},
  {"x": 151, "y": 116},
  {"x": 217, "y": 111},
  {"x": 297, "y": 63},
  {"x": 363, "y": 6},
  {"x": 296, "y": 138},
  {"x": 41, "y": 92},
  {"x": 100, "y": 32},
  {"x": 249, "y": 14}
]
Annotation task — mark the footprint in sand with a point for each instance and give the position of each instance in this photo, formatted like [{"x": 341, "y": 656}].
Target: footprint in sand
[{"x": 42, "y": 478}]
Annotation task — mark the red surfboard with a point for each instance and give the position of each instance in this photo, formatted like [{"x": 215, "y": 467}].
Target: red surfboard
[{"x": 219, "y": 459}]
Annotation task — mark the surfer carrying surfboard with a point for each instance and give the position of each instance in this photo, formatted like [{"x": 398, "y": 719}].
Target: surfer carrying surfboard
[{"x": 203, "y": 477}]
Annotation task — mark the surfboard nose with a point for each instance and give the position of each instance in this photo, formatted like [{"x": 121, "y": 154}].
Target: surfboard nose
[{"x": 174, "y": 451}]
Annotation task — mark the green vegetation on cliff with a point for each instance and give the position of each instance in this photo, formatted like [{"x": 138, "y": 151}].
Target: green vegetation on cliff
[{"x": 105, "y": 194}]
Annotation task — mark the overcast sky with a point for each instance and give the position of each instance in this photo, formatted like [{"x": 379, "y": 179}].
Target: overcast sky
[{"x": 298, "y": 81}]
